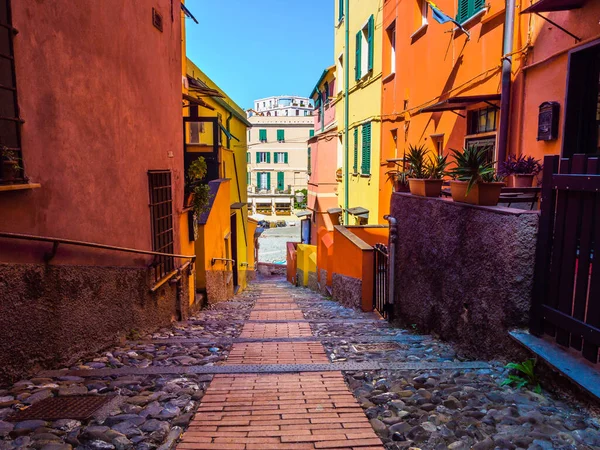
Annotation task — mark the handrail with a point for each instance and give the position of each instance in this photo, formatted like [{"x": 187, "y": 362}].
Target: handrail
[
  {"x": 57, "y": 241},
  {"x": 214, "y": 260},
  {"x": 169, "y": 276}
]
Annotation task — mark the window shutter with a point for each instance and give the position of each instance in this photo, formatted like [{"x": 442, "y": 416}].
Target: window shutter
[
  {"x": 275, "y": 159},
  {"x": 358, "y": 58},
  {"x": 355, "y": 167},
  {"x": 311, "y": 133},
  {"x": 371, "y": 31},
  {"x": 340, "y": 9},
  {"x": 478, "y": 5},
  {"x": 280, "y": 181},
  {"x": 281, "y": 135},
  {"x": 366, "y": 149},
  {"x": 262, "y": 135},
  {"x": 248, "y": 157},
  {"x": 248, "y": 178},
  {"x": 285, "y": 157},
  {"x": 268, "y": 181},
  {"x": 257, "y": 157},
  {"x": 463, "y": 10},
  {"x": 309, "y": 164},
  {"x": 268, "y": 157}
]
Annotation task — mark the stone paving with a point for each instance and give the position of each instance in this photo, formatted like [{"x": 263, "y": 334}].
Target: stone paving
[{"x": 434, "y": 399}]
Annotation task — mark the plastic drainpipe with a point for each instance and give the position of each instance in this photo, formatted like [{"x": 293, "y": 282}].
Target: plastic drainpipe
[
  {"x": 346, "y": 108},
  {"x": 391, "y": 257},
  {"x": 509, "y": 22}
]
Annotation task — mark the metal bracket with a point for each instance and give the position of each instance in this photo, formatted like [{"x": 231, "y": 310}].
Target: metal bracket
[
  {"x": 48, "y": 256},
  {"x": 564, "y": 30}
]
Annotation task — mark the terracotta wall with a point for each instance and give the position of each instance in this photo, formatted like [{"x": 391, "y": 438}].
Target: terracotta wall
[
  {"x": 371, "y": 234},
  {"x": 99, "y": 89}
]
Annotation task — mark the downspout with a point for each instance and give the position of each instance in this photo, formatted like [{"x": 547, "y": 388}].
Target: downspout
[
  {"x": 346, "y": 108},
  {"x": 391, "y": 261},
  {"x": 509, "y": 25}
]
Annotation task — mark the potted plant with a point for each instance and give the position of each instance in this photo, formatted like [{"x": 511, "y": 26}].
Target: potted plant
[
  {"x": 11, "y": 168},
  {"x": 197, "y": 192},
  {"x": 425, "y": 178},
  {"x": 475, "y": 179},
  {"x": 522, "y": 170},
  {"x": 338, "y": 174}
]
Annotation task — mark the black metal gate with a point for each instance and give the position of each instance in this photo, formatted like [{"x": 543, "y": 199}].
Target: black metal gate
[{"x": 381, "y": 281}]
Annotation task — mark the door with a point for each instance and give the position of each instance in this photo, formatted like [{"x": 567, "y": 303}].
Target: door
[
  {"x": 582, "y": 112},
  {"x": 234, "y": 251}
]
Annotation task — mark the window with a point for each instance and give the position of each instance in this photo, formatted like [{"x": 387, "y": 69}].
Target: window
[
  {"x": 468, "y": 8},
  {"x": 280, "y": 135},
  {"x": 280, "y": 181},
  {"x": 340, "y": 73},
  {"x": 263, "y": 180},
  {"x": 365, "y": 166},
  {"x": 391, "y": 34},
  {"x": 438, "y": 142},
  {"x": 340, "y": 10},
  {"x": 482, "y": 120},
  {"x": 311, "y": 133},
  {"x": 262, "y": 135},
  {"x": 355, "y": 167},
  {"x": 248, "y": 178},
  {"x": 263, "y": 157},
  {"x": 364, "y": 59},
  {"x": 161, "y": 221},
  {"x": 395, "y": 142},
  {"x": 280, "y": 157}
]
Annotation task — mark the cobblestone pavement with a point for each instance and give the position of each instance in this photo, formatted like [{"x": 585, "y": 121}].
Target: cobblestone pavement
[{"x": 336, "y": 389}]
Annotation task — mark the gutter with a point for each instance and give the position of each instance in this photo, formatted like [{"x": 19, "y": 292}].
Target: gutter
[
  {"x": 346, "y": 108},
  {"x": 509, "y": 25}
]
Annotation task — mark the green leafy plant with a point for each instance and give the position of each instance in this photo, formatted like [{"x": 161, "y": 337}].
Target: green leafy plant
[
  {"x": 199, "y": 191},
  {"x": 417, "y": 166},
  {"x": 523, "y": 375},
  {"x": 473, "y": 165},
  {"x": 11, "y": 157},
  {"x": 437, "y": 167}
]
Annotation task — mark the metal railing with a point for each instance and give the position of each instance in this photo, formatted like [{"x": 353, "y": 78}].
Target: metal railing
[{"x": 57, "y": 241}]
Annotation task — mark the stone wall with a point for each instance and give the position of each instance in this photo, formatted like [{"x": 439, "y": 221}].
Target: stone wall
[
  {"x": 464, "y": 272},
  {"x": 347, "y": 290},
  {"x": 323, "y": 283},
  {"x": 53, "y": 315},
  {"x": 271, "y": 269},
  {"x": 313, "y": 282},
  {"x": 219, "y": 285}
]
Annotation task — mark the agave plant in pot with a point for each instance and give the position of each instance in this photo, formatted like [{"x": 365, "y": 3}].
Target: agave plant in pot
[
  {"x": 475, "y": 180},
  {"x": 425, "y": 177},
  {"x": 522, "y": 170}
]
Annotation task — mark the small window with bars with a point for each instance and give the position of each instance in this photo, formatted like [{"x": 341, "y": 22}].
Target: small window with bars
[
  {"x": 161, "y": 216},
  {"x": 11, "y": 158}
]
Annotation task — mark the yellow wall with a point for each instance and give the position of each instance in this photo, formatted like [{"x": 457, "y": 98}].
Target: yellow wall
[
  {"x": 364, "y": 102},
  {"x": 233, "y": 167},
  {"x": 306, "y": 261}
]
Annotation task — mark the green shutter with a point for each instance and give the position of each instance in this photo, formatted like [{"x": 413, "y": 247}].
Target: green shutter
[
  {"x": 281, "y": 135},
  {"x": 275, "y": 159},
  {"x": 248, "y": 178},
  {"x": 355, "y": 150},
  {"x": 309, "y": 163},
  {"x": 268, "y": 181},
  {"x": 365, "y": 166},
  {"x": 371, "y": 31},
  {"x": 268, "y": 157},
  {"x": 262, "y": 135},
  {"x": 478, "y": 5},
  {"x": 468, "y": 8},
  {"x": 311, "y": 133},
  {"x": 358, "y": 57},
  {"x": 285, "y": 157},
  {"x": 248, "y": 157},
  {"x": 340, "y": 10},
  {"x": 257, "y": 157},
  {"x": 280, "y": 181}
]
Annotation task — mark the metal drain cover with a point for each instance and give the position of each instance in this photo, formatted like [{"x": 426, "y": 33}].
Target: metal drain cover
[
  {"x": 377, "y": 347},
  {"x": 55, "y": 408}
]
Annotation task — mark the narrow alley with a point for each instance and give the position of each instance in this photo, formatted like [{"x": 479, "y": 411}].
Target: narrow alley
[{"x": 284, "y": 368}]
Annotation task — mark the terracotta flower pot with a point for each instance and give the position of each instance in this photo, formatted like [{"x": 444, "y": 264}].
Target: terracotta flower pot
[
  {"x": 484, "y": 194},
  {"x": 425, "y": 187},
  {"x": 400, "y": 187},
  {"x": 521, "y": 180}
]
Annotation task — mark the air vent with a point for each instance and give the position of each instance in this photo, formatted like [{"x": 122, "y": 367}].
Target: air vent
[{"x": 157, "y": 20}]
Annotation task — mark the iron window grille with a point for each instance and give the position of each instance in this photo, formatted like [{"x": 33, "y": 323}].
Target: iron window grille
[
  {"x": 11, "y": 158},
  {"x": 161, "y": 214}
]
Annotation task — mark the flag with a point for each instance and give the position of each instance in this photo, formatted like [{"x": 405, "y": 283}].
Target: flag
[{"x": 441, "y": 17}]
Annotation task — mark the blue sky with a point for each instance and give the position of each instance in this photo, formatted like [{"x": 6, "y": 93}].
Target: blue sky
[{"x": 258, "y": 48}]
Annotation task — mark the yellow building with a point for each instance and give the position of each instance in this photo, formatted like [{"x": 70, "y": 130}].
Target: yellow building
[
  {"x": 216, "y": 128},
  {"x": 358, "y": 43}
]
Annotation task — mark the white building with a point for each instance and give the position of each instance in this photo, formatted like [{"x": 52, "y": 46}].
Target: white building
[{"x": 282, "y": 105}]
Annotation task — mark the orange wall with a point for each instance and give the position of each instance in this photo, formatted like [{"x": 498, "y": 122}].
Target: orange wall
[
  {"x": 99, "y": 89},
  {"x": 371, "y": 235}
]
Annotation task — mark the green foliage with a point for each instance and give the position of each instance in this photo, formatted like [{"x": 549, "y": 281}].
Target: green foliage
[
  {"x": 436, "y": 167},
  {"x": 417, "y": 167},
  {"x": 201, "y": 199},
  {"x": 473, "y": 165},
  {"x": 197, "y": 170},
  {"x": 303, "y": 204},
  {"x": 10, "y": 156},
  {"x": 524, "y": 376}
]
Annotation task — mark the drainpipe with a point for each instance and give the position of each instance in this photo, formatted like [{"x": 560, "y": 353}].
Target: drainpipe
[
  {"x": 346, "y": 108},
  {"x": 391, "y": 259},
  {"x": 509, "y": 24}
]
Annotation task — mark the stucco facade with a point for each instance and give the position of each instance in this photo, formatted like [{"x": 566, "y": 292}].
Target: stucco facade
[
  {"x": 278, "y": 145},
  {"x": 360, "y": 131}
]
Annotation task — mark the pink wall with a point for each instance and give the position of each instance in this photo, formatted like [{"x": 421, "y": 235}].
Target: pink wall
[{"x": 100, "y": 92}]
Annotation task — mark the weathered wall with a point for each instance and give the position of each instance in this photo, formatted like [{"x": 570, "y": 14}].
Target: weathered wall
[
  {"x": 78, "y": 310},
  {"x": 219, "y": 285},
  {"x": 462, "y": 271},
  {"x": 347, "y": 290}
]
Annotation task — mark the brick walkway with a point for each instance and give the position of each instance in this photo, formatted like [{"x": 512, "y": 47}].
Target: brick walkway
[{"x": 295, "y": 411}]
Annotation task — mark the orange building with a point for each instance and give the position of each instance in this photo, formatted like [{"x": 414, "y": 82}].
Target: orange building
[{"x": 443, "y": 84}]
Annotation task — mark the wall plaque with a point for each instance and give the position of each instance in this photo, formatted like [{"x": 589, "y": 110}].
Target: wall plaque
[{"x": 548, "y": 121}]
